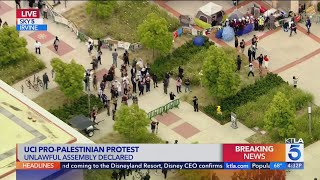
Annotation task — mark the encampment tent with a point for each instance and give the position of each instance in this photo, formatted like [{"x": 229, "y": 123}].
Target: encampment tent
[{"x": 209, "y": 12}]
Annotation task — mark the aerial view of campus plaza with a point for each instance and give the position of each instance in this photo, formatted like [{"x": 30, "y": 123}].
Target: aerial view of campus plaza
[{"x": 161, "y": 72}]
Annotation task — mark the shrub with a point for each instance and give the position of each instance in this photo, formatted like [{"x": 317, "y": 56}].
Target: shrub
[
  {"x": 78, "y": 107},
  {"x": 202, "y": 24},
  {"x": 247, "y": 94},
  {"x": 179, "y": 56},
  {"x": 307, "y": 139}
]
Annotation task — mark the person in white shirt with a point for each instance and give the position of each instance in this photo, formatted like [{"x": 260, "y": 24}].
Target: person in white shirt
[{"x": 37, "y": 46}]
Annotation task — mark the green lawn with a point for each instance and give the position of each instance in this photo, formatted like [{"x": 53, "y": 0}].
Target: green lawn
[
  {"x": 14, "y": 73},
  {"x": 51, "y": 99},
  {"x": 122, "y": 24}
]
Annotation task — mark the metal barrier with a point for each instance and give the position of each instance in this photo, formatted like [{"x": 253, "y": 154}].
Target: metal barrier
[{"x": 159, "y": 111}]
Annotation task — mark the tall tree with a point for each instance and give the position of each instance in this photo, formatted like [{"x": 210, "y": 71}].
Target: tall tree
[
  {"x": 12, "y": 47},
  {"x": 154, "y": 34},
  {"x": 218, "y": 73},
  {"x": 280, "y": 116},
  {"x": 131, "y": 122},
  {"x": 69, "y": 77},
  {"x": 101, "y": 9}
]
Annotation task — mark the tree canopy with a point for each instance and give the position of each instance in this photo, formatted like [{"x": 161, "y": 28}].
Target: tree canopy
[
  {"x": 69, "y": 77},
  {"x": 132, "y": 122},
  {"x": 154, "y": 34},
  {"x": 12, "y": 47},
  {"x": 280, "y": 117},
  {"x": 101, "y": 9},
  {"x": 219, "y": 73}
]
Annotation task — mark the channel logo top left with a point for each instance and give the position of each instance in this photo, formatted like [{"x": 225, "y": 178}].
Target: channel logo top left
[{"x": 29, "y": 20}]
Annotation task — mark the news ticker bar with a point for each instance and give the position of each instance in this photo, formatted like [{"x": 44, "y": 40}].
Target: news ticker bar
[{"x": 160, "y": 165}]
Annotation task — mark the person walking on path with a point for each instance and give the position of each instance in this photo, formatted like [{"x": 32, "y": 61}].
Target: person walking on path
[
  {"x": 115, "y": 57},
  {"x": 195, "y": 104},
  {"x": 165, "y": 172},
  {"x": 45, "y": 80},
  {"x": 179, "y": 83},
  {"x": 266, "y": 61},
  {"x": 56, "y": 43},
  {"x": 238, "y": 63},
  {"x": 126, "y": 58},
  {"x": 242, "y": 45},
  {"x": 90, "y": 48},
  {"x": 153, "y": 126},
  {"x": 253, "y": 52},
  {"x": 250, "y": 54},
  {"x": 98, "y": 57},
  {"x": 141, "y": 87},
  {"x": 308, "y": 24},
  {"x": 94, "y": 115},
  {"x": 260, "y": 60},
  {"x": 115, "y": 102},
  {"x": 99, "y": 44},
  {"x": 254, "y": 41},
  {"x": 251, "y": 70},
  {"x": 37, "y": 47},
  {"x": 295, "y": 81},
  {"x": 236, "y": 41},
  {"x": 187, "y": 84}
]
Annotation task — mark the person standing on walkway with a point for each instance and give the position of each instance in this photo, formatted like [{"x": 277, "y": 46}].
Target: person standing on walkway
[
  {"x": 295, "y": 81},
  {"x": 45, "y": 80},
  {"x": 155, "y": 80},
  {"x": 99, "y": 44},
  {"x": 253, "y": 52},
  {"x": 56, "y": 43},
  {"x": 165, "y": 85},
  {"x": 18, "y": 5},
  {"x": 308, "y": 24},
  {"x": 271, "y": 22},
  {"x": 94, "y": 115},
  {"x": 165, "y": 172},
  {"x": 94, "y": 82},
  {"x": 172, "y": 96},
  {"x": 148, "y": 82},
  {"x": 242, "y": 45},
  {"x": 114, "y": 175},
  {"x": 179, "y": 83},
  {"x": 141, "y": 87},
  {"x": 195, "y": 104},
  {"x": 260, "y": 60},
  {"x": 266, "y": 61},
  {"x": 153, "y": 126},
  {"x": 115, "y": 102},
  {"x": 293, "y": 27},
  {"x": 45, "y": 11},
  {"x": 238, "y": 63},
  {"x": 126, "y": 58},
  {"x": 115, "y": 57},
  {"x": 250, "y": 54},
  {"x": 187, "y": 84},
  {"x": 90, "y": 48},
  {"x": 134, "y": 85},
  {"x": 254, "y": 41},
  {"x": 236, "y": 41},
  {"x": 37, "y": 46},
  {"x": 250, "y": 70},
  {"x": 98, "y": 57}
]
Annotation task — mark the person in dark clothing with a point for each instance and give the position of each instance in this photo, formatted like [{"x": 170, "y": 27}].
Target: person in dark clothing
[
  {"x": 195, "y": 104},
  {"x": 187, "y": 84},
  {"x": 238, "y": 63},
  {"x": 165, "y": 85},
  {"x": 155, "y": 80},
  {"x": 260, "y": 60},
  {"x": 31, "y": 3},
  {"x": 167, "y": 142},
  {"x": 293, "y": 28},
  {"x": 141, "y": 88},
  {"x": 56, "y": 43},
  {"x": 153, "y": 126},
  {"x": 253, "y": 52},
  {"x": 172, "y": 96},
  {"x": 148, "y": 82},
  {"x": 113, "y": 114},
  {"x": 99, "y": 44},
  {"x": 18, "y": 6},
  {"x": 126, "y": 58},
  {"x": 167, "y": 75},
  {"x": 236, "y": 41},
  {"x": 108, "y": 107},
  {"x": 133, "y": 71},
  {"x": 0, "y": 22},
  {"x": 147, "y": 177},
  {"x": 94, "y": 82},
  {"x": 94, "y": 115},
  {"x": 180, "y": 70},
  {"x": 45, "y": 80},
  {"x": 99, "y": 53},
  {"x": 122, "y": 173},
  {"x": 114, "y": 175},
  {"x": 165, "y": 172},
  {"x": 250, "y": 54},
  {"x": 308, "y": 25},
  {"x": 175, "y": 141}
]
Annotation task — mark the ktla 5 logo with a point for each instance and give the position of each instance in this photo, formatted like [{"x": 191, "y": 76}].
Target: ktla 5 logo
[{"x": 294, "y": 152}]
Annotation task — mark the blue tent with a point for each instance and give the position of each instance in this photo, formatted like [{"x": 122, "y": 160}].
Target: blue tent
[{"x": 198, "y": 41}]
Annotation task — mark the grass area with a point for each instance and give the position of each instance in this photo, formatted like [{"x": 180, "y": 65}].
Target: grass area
[
  {"x": 51, "y": 99},
  {"x": 14, "y": 73},
  {"x": 122, "y": 24},
  {"x": 202, "y": 94},
  {"x": 111, "y": 138},
  {"x": 260, "y": 138}
]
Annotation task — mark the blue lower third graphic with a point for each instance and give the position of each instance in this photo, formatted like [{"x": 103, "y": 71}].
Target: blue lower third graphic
[
  {"x": 295, "y": 165},
  {"x": 31, "y": 27},
  {"x": 278, "y": 165},
  {"x": 237, "y": 165}
]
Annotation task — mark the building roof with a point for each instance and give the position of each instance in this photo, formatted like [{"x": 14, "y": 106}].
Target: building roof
[
  {"x": 210, "y": 9},
  {"x": 17, "y": 127}
]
